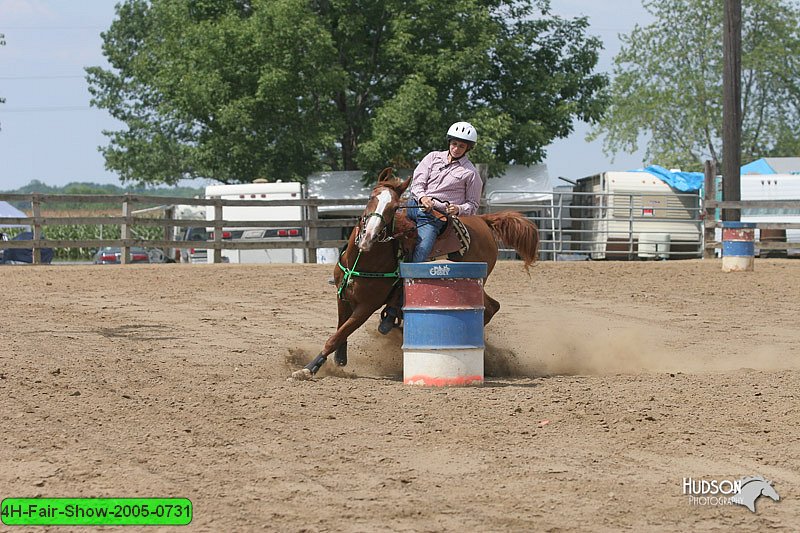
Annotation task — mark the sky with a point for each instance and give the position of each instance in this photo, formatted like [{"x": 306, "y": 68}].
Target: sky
[{"x": 50, "y": 133}]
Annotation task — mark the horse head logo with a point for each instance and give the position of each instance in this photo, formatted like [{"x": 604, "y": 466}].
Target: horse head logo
[{"x": 752, "y": 488}]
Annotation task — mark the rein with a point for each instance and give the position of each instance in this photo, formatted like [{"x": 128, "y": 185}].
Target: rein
[{"x": 350, "y": 273}]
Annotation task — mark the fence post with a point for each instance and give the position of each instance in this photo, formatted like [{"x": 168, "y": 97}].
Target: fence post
[
  {"x": 125, "y": 231},
  {"x": 217, "y": 230},
  {"x": 169, "y": 216},
  {"x": 36, "y": 208},
  {"x": 313, "y": 233},
  {"x": 709, "y": 194}
]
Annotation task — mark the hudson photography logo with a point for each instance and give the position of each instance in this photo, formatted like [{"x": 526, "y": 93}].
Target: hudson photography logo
[{"x": 744, "y": 491}]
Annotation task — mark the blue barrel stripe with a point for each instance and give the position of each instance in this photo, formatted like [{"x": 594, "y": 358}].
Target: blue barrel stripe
[
  {"x": 738, "y": 248},
  {"x": 738, "y": 225},
  {"x": 442, "y": 328}
]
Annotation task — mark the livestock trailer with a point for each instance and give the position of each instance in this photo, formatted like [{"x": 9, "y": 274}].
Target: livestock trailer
[
  {"x": 771, "y": 187},
  {"x": 260, "y": 191},
  {"x": 629, "y": 215},
  {"x": 337, "y": 185}
]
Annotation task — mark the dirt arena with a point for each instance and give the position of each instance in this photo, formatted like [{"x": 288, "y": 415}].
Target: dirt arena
[{"x": 608, "y": 383}]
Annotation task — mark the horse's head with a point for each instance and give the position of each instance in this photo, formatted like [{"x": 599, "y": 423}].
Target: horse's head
[
  {"x": 769, "y": 491},
  {"x": 751, "y": 488},
  {"x": 378, "y": 216}
]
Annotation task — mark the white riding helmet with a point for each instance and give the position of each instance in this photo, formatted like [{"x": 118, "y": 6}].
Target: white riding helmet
[{"x": 463, "y": 131}]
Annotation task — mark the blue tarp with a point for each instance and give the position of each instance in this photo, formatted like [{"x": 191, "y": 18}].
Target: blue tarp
[
  {"x": 24, "y": 255},
  {"x": 683, "y": 181}
]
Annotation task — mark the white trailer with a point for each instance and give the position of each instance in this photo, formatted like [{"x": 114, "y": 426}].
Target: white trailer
[
  {"x": 260, "y": 191},
  {"x": 636, "y": 214},
  {"x": 772, "y": 187},
  {"x": 338, "y": 185}
]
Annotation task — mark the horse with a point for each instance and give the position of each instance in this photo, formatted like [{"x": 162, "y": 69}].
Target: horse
[
  {"x": 752, "y": 488},
  {"x": 367, "y": 274}
]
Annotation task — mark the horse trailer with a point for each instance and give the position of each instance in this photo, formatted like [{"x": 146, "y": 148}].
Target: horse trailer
[
  {"x": 771, "y": 187},
  {"x": 337, "y": 185},
  {"x": 630, "y": 215},
  {"x": 260, "y": 191}
]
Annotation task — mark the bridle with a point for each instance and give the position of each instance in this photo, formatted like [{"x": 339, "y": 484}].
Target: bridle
[{"x": 384, "y": 235}]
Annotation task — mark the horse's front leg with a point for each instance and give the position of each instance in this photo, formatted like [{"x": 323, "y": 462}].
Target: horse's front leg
[
  {"x": 356, "y": 319},
  {"x": 345, "y": 312}
]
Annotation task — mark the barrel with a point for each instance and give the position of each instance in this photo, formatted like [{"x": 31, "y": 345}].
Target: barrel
[
  {"x": 738, "y": 246},
  {"x": 443, "y": 323}
]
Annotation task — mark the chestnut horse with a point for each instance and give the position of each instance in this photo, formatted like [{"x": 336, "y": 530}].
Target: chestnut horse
[{"x": 367, "y": 275}]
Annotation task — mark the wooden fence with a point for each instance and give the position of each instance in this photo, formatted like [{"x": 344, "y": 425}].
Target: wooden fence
[
  {"x": 133, "y": 206},
  {"x": 137, "y": 204},
  {"x": 712, "y": 222}
]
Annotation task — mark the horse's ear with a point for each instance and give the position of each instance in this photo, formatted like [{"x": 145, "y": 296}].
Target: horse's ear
[
  {"x": 403, "y": 186},
  {"x": 386, "y": 175}
]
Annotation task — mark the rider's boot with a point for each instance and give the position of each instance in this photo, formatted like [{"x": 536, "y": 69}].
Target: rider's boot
[{"x": 388, "y": 320}]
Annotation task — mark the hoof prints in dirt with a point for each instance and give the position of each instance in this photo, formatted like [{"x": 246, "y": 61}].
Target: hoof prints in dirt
[{"x": 137, "y": 332}]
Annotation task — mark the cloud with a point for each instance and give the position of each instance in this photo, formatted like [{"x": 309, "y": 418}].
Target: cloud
[{"x": 25, "y": 12}]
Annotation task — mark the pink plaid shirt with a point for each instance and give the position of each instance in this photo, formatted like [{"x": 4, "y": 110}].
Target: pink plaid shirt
[{"x": 457, "y": 182}]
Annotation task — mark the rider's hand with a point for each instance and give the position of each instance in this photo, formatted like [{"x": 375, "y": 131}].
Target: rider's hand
[
  {"x": 427, "y": 203},
  {"x": 452, "y": 209}
]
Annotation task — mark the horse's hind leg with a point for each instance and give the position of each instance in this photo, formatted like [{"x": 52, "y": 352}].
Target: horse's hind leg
[{"x": 490, "y": 307}]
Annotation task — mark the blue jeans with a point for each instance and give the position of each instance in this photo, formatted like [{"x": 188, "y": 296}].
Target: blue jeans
[{"x": 428, "y": 228}]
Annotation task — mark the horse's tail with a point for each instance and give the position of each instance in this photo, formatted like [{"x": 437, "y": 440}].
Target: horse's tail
[{"x": 516, "y": 231}]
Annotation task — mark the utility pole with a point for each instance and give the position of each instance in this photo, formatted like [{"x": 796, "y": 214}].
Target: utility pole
[{"x": 731, "y": 107}]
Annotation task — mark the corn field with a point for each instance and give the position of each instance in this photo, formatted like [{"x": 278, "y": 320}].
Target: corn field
[{"x": 86, "y": 232}]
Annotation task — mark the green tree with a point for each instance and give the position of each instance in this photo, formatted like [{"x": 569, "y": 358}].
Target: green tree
[
  {"x": 235, "y": 90},
  {"x": 667, "y": 83}
]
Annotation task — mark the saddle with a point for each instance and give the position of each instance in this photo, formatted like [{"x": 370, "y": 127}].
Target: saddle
[{"x": 454, "y": 239}]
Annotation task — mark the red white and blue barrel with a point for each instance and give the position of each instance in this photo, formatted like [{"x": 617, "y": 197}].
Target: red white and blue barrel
[
  {"x": 443, "y": 323},
  {"x": 738, "y": 246}
]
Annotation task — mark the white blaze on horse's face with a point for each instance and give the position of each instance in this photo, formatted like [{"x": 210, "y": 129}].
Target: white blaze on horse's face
[{"x": 373, "y": 222}]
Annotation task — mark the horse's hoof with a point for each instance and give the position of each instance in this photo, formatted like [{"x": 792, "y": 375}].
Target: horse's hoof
[
  {"x": 340, "y": 359},
  {"x": 388, "y": 321},
  {"x": 303, "y": 374}
]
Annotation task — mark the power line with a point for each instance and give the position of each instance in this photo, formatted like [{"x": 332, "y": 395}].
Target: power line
[
  {"x": 42, "y": 77},
  {"x": 49, "y": 28},
  {"x": 46, "y": 109}
]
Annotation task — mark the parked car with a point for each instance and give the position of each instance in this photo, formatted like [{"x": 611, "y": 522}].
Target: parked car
[
  {"x": 194, "y": 255},
  {"x": 23, "y": 255},
  {"x": 110, "y": 255}
]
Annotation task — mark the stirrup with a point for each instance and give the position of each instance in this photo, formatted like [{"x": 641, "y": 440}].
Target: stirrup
[{"x": 389, "y": 320}]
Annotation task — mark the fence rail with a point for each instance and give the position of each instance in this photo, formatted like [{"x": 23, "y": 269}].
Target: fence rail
[
  {"x": 138, "y": 204},
  {"x": 572, "y": 224}
]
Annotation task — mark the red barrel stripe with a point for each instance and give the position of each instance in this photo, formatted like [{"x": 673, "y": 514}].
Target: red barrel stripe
[
  {"x": 439, "y": 381},
  {"x": 738, "y": 234},
  {"x": 444, "y": 293}
]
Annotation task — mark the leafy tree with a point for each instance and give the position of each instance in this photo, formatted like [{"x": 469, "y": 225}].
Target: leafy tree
[
  {"x": 667, "y": 83},
  {"x": 236, "y": 90}
]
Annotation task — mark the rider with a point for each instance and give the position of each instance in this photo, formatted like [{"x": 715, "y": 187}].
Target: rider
[{"x": 444, "y": 182}]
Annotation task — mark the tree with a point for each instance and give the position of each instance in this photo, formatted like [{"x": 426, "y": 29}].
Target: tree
[
  {"x": 235, "y": 90},
  {"x": 667, "y": 83}
]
